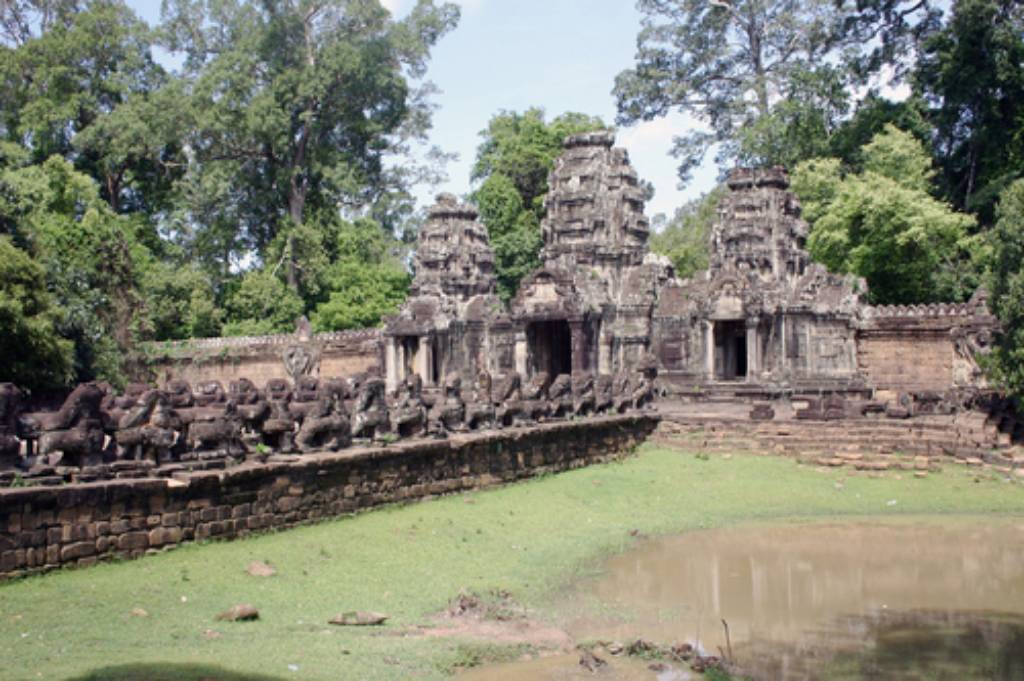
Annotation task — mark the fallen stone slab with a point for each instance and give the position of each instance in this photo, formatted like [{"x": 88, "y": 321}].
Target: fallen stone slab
[{"x": 358, "y": 619}]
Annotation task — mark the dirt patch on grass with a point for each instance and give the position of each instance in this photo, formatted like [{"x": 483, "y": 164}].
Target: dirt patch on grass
[{"x": 495, "y": 619}]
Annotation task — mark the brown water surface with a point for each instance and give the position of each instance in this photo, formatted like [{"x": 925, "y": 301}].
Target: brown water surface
[{"x": 904, "y": 599}]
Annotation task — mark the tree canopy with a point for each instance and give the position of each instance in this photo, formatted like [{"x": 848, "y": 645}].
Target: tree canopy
[
  {"x": 883, "y": 225},
  {"x": 971, "y": 75},
  {"x": 1006, "y": 284},
  {"x": 218, "y": 198}
]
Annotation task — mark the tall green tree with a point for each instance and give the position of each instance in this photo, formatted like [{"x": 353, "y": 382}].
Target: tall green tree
[
  {"x": 1006, "y": 284},
  {"x": 882, "y": 224},
  {"x": 512, "y": 166},
  {"x": 971, "y": 74},
  {"x": 297, "y": 103},
  {"x": 886, "y": 33},
  {"x": 366, "y": 280},
  {"x": 769, "y": 81},
  {"x": 869, "y": 118},
  {"x": 78, "y": 79},
  {"x": 729, "y": 64}
]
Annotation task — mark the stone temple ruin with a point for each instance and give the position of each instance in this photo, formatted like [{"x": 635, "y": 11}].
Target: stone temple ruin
[
  {"x": 765, "y": 350},
  {"x": 761, "y": 322},
  {"x": 762, "y": 313},
  {"x": 601, "y": 327},
  {"x": 586, "y": 312}
]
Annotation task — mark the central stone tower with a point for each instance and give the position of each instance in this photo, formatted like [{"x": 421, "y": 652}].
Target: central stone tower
[{"x": 587, "y": 309}]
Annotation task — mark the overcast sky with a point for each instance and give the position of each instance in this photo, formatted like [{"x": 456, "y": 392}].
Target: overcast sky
[{"x": 562, "y": 55}]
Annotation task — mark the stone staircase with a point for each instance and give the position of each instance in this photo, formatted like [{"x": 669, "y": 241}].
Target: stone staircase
[{"x": 919, "y": 443}]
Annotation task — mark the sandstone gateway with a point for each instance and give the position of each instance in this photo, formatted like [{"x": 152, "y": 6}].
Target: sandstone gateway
[{"x": 252, "y": 433}]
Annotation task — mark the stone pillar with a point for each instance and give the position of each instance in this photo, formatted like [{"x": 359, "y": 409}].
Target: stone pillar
[
  {"x": 709, "y": 350},
  {"x": 425, "y": 357},
  {"x": 577, "y": 347},
  {"x": 391, "y": 369},
  {"x": 520, "y": 354},
  {"x": 753, "y": 351},
  {"x": 785, "y": 350},
  {"x": 604, "y": 352}
]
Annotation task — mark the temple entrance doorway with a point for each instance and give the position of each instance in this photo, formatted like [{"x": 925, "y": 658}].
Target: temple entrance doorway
[
  {"x": 730, "y": 350},
  {"x": 410, "y": 347},
  {"x": 550, "y": 347}
]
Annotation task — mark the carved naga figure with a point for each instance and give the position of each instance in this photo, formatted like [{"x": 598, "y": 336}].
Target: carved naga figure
[
  {"x": 535, "y": 398},
  {"x": 10, "y": 446},
  {"x": 643, "y": 390},
  {"x": 216, "y": 428},
  {"x": 216, "y": 433},
  {"x": 305, "y": 397},
  {"x": 76, "y": 430},
  {"x": 450, "y": 415},
  {"x": 278, "y": 431},
  {"x": 327, "y": 425},
  {"x": 560, "y": 397},
  {"x": 252, "y": 408},
  {"x": 409, "y": 416},
  {"x": 480, "y": 410},
  {"x": 209, "y": 393},
  {"x": 584, "y": 398},
  {"x": 622, "y": 393},
  {"x": 179, "y": 393},
  {"x": 604, "y": 394},
  {"x": 150, "y": 431},
  {"x": 371, "y": 409},
  {"x": 508, "y": 400}
]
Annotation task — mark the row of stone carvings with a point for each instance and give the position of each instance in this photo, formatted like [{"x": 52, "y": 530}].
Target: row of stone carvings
[{"x": 98, "y": 434}]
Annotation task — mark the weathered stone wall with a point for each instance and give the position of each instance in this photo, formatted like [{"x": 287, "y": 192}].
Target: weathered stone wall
[
  {"x": 45, "y": 528},
  {"x": 897, "y": 360},
  {"x": 968, "y": 438},
  {"x": 924, "y": 347},
  {"x": 259, "y": 358}
]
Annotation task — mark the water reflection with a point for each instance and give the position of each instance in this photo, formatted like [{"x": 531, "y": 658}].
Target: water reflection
[
  {"x": 912, "y": 599},
  {"x": 779, "y": 583}
]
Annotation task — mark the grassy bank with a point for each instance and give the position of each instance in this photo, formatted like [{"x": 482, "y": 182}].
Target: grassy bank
[{"x": 408, "y": 561}]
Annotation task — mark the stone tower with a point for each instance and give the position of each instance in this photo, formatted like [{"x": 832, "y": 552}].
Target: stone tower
[
  {"x": 763, "y": 313},
  {"x": 453, "y": 255},
  {"x": 588, "y": 308},
  {"x": 442, "y": 326},
  {"x": 594, "y": 210},
  {"x": 759, "y": 228}
]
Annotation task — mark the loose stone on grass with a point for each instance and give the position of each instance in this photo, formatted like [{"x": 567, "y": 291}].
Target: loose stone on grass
[
  {"x": 358, "y": 619},
  {"x": 239, "y": 613}
]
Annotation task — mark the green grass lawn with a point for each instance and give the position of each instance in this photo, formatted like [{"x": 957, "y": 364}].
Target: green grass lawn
[{"x": 530, "y": 539}]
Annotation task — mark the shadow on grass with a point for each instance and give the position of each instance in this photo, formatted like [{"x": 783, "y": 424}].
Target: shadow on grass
[{"x": 166, "y": 671}]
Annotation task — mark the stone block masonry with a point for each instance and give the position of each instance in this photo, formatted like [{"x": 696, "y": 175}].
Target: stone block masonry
[{"x": 81, "y": 524}]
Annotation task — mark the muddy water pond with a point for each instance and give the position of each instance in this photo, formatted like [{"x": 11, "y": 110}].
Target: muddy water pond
[{"x": 921, "y": 598}]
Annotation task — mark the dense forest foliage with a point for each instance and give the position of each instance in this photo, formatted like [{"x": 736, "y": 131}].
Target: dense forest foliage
[
  {"x": 269, "y": 176},
  {"x": 270, "y": 173}
]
